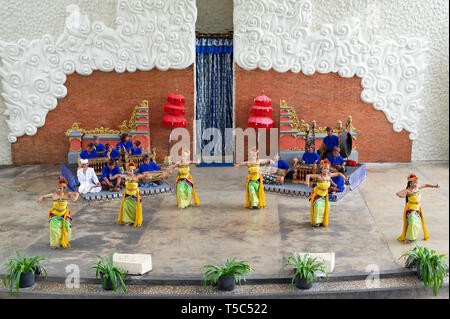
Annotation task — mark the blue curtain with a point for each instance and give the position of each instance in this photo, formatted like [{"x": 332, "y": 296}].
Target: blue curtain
[{"x": 214, "y": 91}]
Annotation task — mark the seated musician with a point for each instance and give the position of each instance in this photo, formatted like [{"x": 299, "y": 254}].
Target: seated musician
[
  {"x": 329, "y": 142},
  {"x": 111, "y": 177},
  {"x": 125, "y": 145},
  {"x": 87, "y": 178},
  {"x": 310, "y": 156},
  {"x": 336, "y": 161},
  {"x": 89, "y": 152},
  {"x": 277, "y": 172},
  {"x": 136, "y": 150},
  {"x": 111, "y": 153},
  {"x": 337, "y": 165},
  {"x": 144, "y": 172},
  {"x": 98, "y": 147}
]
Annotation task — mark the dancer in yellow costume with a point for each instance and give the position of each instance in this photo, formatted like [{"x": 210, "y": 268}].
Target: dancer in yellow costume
[
  {"x": 60, "y": 221},
  {"x": 130, "y": 209},
  {"x": 320, "y": 206},
  {"x": 184, "y": 185},
  {"x": 413, "y": 215},
  {"x": 254, "y": 189}
]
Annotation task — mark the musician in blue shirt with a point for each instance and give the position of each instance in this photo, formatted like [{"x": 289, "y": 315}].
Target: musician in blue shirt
[
  {"x": 147, "y": 166},
  {"x": 125, "y": 144},
  {"x": 99, "y": 147},
  {"x": 111, "y": 153},
  {"x": 136, "y": 150},
  {"x": 310, "y": 157},
  {"x": 111, "y": 177},
  {"x": 336, "y": 161},
  {"x": 89, "y": 152},
  {"x": 329, "y": 142}
]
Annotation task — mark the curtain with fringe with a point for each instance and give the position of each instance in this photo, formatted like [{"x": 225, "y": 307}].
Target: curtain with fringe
[{"x": 214, "y": 90}]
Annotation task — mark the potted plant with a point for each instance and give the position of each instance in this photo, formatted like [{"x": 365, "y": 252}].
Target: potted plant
[
  {"x": 430, "y": 267},
  {"x": 21, "y": 271},
  {"x": 306, "y": 269},
  {"x": 226, "y": 275},
  {"x": 112, "y": 277}
]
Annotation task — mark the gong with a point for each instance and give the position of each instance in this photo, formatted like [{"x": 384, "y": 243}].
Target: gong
[{"x": 345, "y": 144}]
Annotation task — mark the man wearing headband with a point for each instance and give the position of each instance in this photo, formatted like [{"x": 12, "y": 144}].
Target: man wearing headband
[
  {"x": 89, "y": 152},
  {"x": 99, "y": 147},
  {"x": 329, "y": 142},
  {"x": 136, "y": 150},
  {"x": 111, "y": 177},
  {"x": 111, "y": 153},
  {"x": 87, "y": 178}
]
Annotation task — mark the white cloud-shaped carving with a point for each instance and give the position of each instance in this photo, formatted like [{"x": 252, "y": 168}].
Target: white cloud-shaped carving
[
  {"x": 149, "y": 34},
  {"x": 278, "y": 35}
]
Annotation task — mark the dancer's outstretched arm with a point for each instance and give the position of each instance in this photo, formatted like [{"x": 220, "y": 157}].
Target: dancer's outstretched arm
[
  {"x": 428, "y": 186},
  {"x": 40, "y": 199}
]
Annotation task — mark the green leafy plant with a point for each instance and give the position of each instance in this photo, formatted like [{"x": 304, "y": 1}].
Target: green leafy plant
[
  {"x": 305, "y": 267},
  {"x": 18, "y": 265},
  {"x": 231, "y": 267},
  {"x": 108, "y": 270},
  {"x": 432, "y": 267}
]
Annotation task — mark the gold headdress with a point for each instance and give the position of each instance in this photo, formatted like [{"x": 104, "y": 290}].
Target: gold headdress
[
  {"x": 325, "y": 163},
  {"x": 131, "y": 166},
  {"x": 62, "y": 182},
  {"x": 412, "y": 178}
]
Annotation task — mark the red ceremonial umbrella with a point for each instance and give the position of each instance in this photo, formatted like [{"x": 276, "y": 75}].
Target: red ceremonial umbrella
[
  {"x": 261, "y": 111},
  {"x": 173, "y": 121},
  {"x": 174, "y": 113}
]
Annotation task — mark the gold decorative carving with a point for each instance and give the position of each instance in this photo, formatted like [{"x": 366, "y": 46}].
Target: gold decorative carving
[
  {"x": 125, "y": 127},
  {"x": 74, "y": 127},
  {"x": 101, "y": 131}
]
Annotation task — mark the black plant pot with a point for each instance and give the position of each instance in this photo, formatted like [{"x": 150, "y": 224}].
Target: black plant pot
[
  {"x": 226, "y": 283},
  {"x": 419, "y": 275},
  {"x": 26, "y": 280},
  {"x": 301, "y": 283},
  {"x": 37, "y": 271},
  {"x": 109, "y": 284}
]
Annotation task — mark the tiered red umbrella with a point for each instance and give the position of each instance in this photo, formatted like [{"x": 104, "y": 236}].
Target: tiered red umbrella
[
  {"x": 174, "y": 111},
  {"x": 261, "y": 111}
]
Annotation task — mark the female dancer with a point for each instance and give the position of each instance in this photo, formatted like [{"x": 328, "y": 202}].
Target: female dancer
[
  {"x": 130, "y": 209},
  {"x": 254, "y": 189},
  {"x": 185, "y": 188},
  {"x": 320, "y": 207},
  {"x": 412, "y": 215},
  {"x": 60, "y": 221}
]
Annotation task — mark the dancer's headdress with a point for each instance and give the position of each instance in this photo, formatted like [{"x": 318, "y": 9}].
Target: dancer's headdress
[
  {"x": 412, "y": 178},
  {"x": 62, "y": 182},
  {"x": 325, "y": 163}
]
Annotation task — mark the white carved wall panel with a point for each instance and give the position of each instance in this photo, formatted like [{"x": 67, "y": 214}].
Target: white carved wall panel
[
  {"x": 277, "y": 34},
  {"x": 149, "y": 34}
]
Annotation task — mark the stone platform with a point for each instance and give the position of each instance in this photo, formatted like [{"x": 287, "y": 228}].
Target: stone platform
[{"x": 362, "y": 230}]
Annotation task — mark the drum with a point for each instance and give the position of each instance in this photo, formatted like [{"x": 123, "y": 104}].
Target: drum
[{"x": 345, "y": 144}]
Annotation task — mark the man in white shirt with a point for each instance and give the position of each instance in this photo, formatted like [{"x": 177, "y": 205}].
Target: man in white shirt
[{"x": 87, "y": 178}]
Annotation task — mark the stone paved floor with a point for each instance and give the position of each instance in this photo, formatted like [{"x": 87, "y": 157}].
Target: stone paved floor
[{"x": 363, "y": 226}]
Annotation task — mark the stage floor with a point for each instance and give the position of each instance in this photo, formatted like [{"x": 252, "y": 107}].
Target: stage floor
[{"x": 362, "y": 230}]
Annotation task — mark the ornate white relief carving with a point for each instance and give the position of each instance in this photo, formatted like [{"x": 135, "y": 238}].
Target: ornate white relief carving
[
  {"x": 149, "y": 34},
  {"x": 278, "y": 34}
]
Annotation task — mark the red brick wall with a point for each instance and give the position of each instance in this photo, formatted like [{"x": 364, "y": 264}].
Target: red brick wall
[
  {"x": 325, "y": 98},
  {"x": 106, "y": 99}
]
